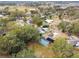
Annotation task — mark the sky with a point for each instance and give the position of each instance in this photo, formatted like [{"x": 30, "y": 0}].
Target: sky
[{"x": 39, "y": 0}]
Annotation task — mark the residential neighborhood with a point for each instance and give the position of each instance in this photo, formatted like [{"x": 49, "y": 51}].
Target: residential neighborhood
[{"x": 41, "y": 29}]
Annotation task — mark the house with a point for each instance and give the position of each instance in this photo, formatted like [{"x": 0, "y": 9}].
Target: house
[
  {"x": 49, "y": 21},
  {"x": 45, "y": 24},
  {"x": 45, "y": 27},
  {"x": 32, "y": 9},
  {"x": 28, "y": 14},
  {"x": 42, "y": 16},
  {"x": 73, "y": 40},
  {"x": 29, "y": 21},
  {"x": 55, "y": 34},
  {"x": 2, "y": 32},
  {"x": 77, "y": 45},
  {"x": 20, "y": 22},
  {"x": 19, "y": 18},
  {"x": 50, "y": 39},
  {"x": 1, "y": 15},
  {"x": 41, "y": 31}
]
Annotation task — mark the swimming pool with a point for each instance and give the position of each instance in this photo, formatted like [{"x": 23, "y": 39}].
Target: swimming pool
[{"x": 44, "y": 42}]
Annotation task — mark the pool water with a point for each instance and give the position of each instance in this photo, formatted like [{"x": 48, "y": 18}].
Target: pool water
[{"x": 44, "y": 42}]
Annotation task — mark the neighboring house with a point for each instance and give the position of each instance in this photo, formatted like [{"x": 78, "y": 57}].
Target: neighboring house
[
  {"x": 49, "y": 21},
  {"x": 1, "y": 15},
  {"x": 29, "y": 21},
  {"x": 41, "y": 31},
  {"x": 19, "y": 18},
  {"x": 55, "y": 34},
  {"x": 42, "y": 16},
  {"x": 20, "y": 22},
  {"x": 49, "y": 38},
  {"x": 28, "y": 14},
  {"x": 73, "y": 40},
  {"x": 32, "y": 9},
  {"x": 45, "y": 23},
  {"x": 77, "y": 45},
  {"x": 45, "y": 27},
  {"x": 2, "y": 32}
]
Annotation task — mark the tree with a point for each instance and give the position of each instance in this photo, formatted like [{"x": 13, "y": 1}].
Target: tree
[
  {"x": 3, "y": 22},
  {"x": 12, "y": 25},
  {"x": 76, "y": 55},
  {"x": 11, "y": 43},
  {"x": 26, "y": 53},
  {"x": 61, "y": 48},
  {"x": 64, "y": 26},
  {"x": 6, "y": 10},
  {"x": 26, "y": 10},
  {"x": 72, "y": 12},
  {"x": 28, "y": 33},
  {"x": 17, "y": 13},
  {"x": 18, "y": 38},
  {"x": 75, "y": 28},
  {"x": 72, "y": 27},
  {"x": 37, "y": 20},
  {"x": 34, "y": 11}
]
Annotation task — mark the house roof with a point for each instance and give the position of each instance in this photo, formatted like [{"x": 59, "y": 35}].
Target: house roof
[
  {"x": 41, "y": 30},
  {"x": 77, "y": 44},
  {"x": 55, "y": 34},
  {"x": 29, "y": 21},
  {"x": 50, "y": 39},
  {"x": 1, "y": 32},
  {"x": 1, "y": 15},
  {"x": 20, "y": 22},
  {"x": 73, "y": 40},
  {"x": 49, "y": 21}
]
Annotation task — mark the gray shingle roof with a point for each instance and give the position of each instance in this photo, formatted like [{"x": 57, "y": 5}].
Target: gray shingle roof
[
  {"x": 73, "y": 40},
  {"x": 1, "y": 32}
]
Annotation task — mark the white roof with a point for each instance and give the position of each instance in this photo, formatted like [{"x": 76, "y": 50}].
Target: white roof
[
  {"x": 45, "y": 29},
  {"x": 1, "y": 15},
  {"x": 74, "y": 38},
  {"x": 77, "y": 45},
  {"x": 55, "y": 34},
  {"x": 20, "y": 22},
  {"x": 48, "y": 20},
  {"x": 28, "y": 13},
  {"x": 40, "y": 30},
  {"x": 32, "y": 9}
]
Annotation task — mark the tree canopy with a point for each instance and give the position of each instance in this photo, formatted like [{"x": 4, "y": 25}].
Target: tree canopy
[{"x": 61, "y": 48}]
